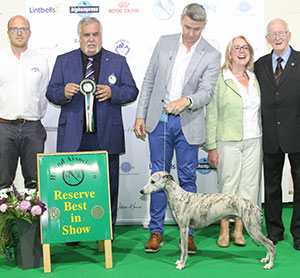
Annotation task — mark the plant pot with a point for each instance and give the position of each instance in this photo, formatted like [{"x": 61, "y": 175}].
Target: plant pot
[{"x": 28, "y": 251}]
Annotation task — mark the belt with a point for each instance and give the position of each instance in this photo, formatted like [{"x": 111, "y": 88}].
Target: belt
[{"x": 17, "y": 121}]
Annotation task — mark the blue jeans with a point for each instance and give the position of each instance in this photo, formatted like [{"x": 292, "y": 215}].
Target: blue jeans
[
  {"x": 24, "y": 141},
  {"x": 166, "y": 137}
]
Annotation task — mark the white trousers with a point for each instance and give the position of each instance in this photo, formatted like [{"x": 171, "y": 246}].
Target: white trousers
[{"x": 240, "y": 167}]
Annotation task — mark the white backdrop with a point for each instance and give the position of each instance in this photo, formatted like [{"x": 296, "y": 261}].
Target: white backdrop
[{"x": 132, "y": 28}]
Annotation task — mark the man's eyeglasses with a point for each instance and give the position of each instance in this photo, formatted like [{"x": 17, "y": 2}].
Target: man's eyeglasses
[
  {"x": 17, "y": 29},
  {"x": 238, "y": 48},
  {"x": 279, "y": 34}
]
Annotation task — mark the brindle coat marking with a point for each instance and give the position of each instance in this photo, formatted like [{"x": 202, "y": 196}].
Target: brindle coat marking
[{"x": 193, "y": 210}]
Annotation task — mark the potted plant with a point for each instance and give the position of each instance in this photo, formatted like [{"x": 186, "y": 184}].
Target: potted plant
[{"x": 19, "y": 226}]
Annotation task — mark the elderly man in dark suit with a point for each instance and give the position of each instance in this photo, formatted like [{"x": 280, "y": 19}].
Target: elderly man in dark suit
[
  {"x": 278, "y": 74},
  {"x": 91, "y": 116}
]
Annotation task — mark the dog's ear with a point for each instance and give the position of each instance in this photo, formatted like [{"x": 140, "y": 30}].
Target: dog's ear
[{"x": 168, "y": 177}]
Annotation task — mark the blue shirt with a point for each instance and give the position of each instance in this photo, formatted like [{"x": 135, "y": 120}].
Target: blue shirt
[{"x": 285, "y": 58}]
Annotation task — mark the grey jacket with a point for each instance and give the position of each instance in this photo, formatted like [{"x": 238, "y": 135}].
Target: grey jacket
[{"x": 200, "y": 80}]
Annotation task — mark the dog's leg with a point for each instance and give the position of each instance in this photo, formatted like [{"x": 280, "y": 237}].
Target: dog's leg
[
  {"x": 254, "y": 230},
  {"x": 270, "y": 253},
  {"x": 184, "y": 247}
]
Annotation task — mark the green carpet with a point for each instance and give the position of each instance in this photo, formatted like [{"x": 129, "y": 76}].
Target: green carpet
[{"x": 130, "y": 260}]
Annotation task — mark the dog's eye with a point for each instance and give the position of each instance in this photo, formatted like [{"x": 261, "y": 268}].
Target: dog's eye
[{"x": 152, "y": 182}]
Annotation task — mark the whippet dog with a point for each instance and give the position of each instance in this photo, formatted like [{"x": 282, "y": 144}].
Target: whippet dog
[{"x": 194, "y": 210}]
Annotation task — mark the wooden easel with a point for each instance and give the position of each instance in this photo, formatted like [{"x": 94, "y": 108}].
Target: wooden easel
[{"x": 103, "y": 245}]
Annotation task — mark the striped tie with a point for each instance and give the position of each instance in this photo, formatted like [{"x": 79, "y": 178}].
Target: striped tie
[
  {"x": 89, "y": 69},
  {"x": 89, "y": 99},
  {"x": 279, "y": 70}
]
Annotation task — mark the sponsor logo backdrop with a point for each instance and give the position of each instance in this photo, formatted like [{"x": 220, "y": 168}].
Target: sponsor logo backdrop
[{"x": 132, "y": 28}]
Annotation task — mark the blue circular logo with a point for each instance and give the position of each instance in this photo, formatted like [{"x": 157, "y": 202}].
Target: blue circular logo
[
  {"x": 163, "y": 9},
  {"x": 84, "y": 4},
  {"x": 126, "y": 167},
  {"x": 203, "y": 167},
  {"x": 244, "y": 7}
]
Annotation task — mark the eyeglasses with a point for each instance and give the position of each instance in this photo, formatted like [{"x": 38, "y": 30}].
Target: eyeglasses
[
  {"x": 17, "y": 29},
  {"x": 279, "y": 34},
  {"x": 238, "y": 48}
]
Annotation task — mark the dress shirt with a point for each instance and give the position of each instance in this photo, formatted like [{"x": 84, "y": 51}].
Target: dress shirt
[
  {"x": 23, "y": 84},
  {"x": 251, "y": 105},
  {"x": 180, "y": 66},
  {"x": 285, "y": 58},
  {"x": 96, "y": 64}
]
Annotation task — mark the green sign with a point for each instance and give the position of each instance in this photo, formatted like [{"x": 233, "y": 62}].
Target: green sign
[{"x": 75, "y": 189}]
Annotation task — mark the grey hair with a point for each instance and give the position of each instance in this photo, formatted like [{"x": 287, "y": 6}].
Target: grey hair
[
  {"x": 275, "y": 20},
  {"x": 195, "y": 12},
  {"x": 88, "y": 20}
]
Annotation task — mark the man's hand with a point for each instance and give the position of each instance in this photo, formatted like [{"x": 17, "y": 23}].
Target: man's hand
[
  {"x": 103, "y": 92},
  {"x": 140, "y": 128},
  {"x": 71, "y": 89},
  {"x": 177, "y": 106}
]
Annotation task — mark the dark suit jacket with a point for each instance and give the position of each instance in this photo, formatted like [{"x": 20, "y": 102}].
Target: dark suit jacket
[
  {"x": 280, "y": 104},
  {"x": 110, "y": 131}
]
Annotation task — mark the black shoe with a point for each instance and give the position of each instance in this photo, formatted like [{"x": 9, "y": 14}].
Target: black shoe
[
  {"x": 74, "y": 243},
  {"x": 297, "y": 244},
  {"x": 275, "y": 239}
]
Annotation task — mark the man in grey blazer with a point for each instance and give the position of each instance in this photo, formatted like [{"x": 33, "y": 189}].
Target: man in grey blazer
[{"x": 179, "y": 82}]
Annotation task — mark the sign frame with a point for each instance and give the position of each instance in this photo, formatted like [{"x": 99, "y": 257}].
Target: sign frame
[{"x": 77, "y": 210}]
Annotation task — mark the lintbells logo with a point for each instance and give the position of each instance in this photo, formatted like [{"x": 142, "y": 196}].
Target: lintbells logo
[
  {"x": 43, "y": 10},
  {"x": 84, "y": 9},
  {"x": 124, "y": 8}
]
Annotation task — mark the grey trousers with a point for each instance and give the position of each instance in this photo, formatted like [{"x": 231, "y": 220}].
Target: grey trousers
[{"x": 22, "y": 141}]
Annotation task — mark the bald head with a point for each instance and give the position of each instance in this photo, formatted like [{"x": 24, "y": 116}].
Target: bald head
[
  {"x": 18, "y": 32},
  {"x": 17, "y": 17},
  {"x": 278, "y": 36},
  {"x": 276, "y": 21}
]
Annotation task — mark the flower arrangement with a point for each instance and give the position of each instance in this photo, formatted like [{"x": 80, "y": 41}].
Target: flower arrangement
[{"x": 14, "y": 205}]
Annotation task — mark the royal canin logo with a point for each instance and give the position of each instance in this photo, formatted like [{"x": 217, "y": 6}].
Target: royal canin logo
[{"x": 123, "y": 8}]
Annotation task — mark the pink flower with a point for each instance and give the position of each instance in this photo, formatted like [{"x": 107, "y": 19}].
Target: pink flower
[
  {"x": 3, "y": 207},
  {"x": 42, "y": 205},
  {"x": 25, "y": 205},
  {"x": 36, "y": 210}
]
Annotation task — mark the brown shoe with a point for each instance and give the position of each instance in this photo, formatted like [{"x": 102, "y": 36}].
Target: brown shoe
[
  {"x": 155, "y": 241},
  {"x": 192, "y": 249}
]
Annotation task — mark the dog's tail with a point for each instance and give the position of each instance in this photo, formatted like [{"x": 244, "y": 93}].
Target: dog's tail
[{"x": 256, "y": 243}]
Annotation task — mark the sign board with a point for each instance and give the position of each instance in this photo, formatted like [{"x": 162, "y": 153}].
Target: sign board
[{"x": 75, "y": 189}]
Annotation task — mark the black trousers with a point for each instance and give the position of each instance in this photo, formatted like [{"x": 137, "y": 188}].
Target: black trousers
[
  {"x": 273, "y": 166},
  {"x": 22, "y": 141},
  {"x": 89, "y": 143}
]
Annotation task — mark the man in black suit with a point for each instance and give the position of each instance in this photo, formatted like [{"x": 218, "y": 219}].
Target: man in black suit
[{"x": 278, "y": 74}]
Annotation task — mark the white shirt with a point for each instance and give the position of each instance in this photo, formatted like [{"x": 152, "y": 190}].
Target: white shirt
[
  {"x": 176, "y": 82},
  {"x": 23, "y": 85},
  {"x": 251, "y": 105}
]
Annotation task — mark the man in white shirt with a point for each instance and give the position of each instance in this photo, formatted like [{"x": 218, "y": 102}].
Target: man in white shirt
[
  {"x": 179, "y": 82},
  {"x": 24, "y": 76}
]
